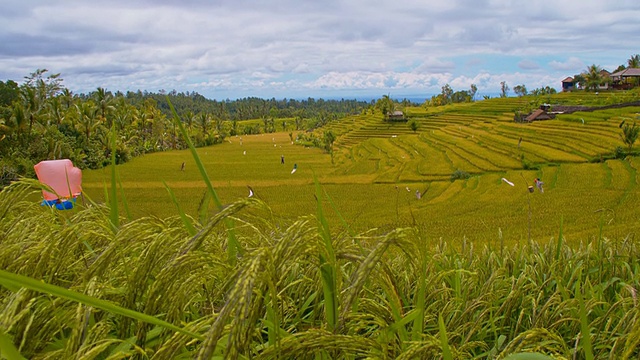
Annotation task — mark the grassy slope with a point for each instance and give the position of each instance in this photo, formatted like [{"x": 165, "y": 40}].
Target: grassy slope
[{"x": 375, "y": 163}]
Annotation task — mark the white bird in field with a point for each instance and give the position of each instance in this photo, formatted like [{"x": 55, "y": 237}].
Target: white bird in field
[
  {"x": 507, "y": 181},
  {"x": 250, "y": 191},
  {"x": 408, "y": 188}
]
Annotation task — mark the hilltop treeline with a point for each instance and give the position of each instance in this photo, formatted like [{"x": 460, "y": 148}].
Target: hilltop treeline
[
  {"x": 41, "y": 119},
  {"x": 249, "y": 107}
]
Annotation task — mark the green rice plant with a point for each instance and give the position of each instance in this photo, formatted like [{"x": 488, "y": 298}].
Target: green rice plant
[
  {"x": 446, "y": 351},
  {"x": 528, "y": 356},
  {"x": 183, "y": 216},
  {"x": 7, "y": 348},
  {"x": 327, "y": 266},
  {"x": 585, "y": 338},
  {"x": 268, "y": 305},
  {"x": 115, "y": 217},
  {"x": 232, "y": 245},
  {"x": 14, "y": 281}
]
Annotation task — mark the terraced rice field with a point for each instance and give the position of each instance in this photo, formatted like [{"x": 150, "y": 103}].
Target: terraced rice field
[
  {"x": 378, "y": 167},
  {"x": 268, "y": 281}
]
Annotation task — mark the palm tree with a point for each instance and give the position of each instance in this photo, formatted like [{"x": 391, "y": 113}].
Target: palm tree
[
  {"x": 56, "y": 112},
  {"x": 87, "y": 117},
  {"x": 123, "y": 114},
  {"x": 18, "y": 121},
  {"x": 32, "y": 105},
  {"x": 189, "y": 117},
  {"x": 45, "y": 87},
  {"x": 634, "y": 62},
  {"x": 592, "y": 77},
  {"x": 630, "y": 134},
  {"x": 203, "y": 121},
  {"x": 104, "y": 99},
  {"x": 67, "y": 97},
  {"x": 386, "y": 106}
]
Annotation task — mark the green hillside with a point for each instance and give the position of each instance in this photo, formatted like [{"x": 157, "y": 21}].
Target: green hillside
[
  {"x": 356, "y": 267},
  {"x": 377, "y": 167}
]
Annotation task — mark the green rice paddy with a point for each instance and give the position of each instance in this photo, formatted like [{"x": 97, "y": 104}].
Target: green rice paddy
[
  {"x": 340, "y": 260},
  {"x": 378, "y": 167}
]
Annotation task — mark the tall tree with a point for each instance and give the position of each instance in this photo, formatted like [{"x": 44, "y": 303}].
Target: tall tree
[
  {"x": 9, "y": 92},
  {"x": 32, "y": 106},
  {"x": 104, "y": 100},
  {"x": 46, "y": 87},
  {"x": 504, "y": 89},
  {"x": 592, "y": 77},
  {"x": 580, "y": 81},
  {"x": 55, "y": 111},
  {"x": 203, "y": 121},
  {"x": 18, "y": 122},
  {"x": 473, "y": 91},
  {"x": 520, "y": 90},
  {"x": 87, "y": 118},
  {"x": 447, "y": 92},
  {"x": 67, "y": 97}
]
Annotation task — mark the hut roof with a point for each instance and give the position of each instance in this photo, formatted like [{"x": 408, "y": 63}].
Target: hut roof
[
  {"x": 538, "y": 115},
  {"x": 630, "y": 72}
]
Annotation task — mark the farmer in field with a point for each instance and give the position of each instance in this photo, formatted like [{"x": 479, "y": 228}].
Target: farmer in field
[{"x": 539, "y": 184}]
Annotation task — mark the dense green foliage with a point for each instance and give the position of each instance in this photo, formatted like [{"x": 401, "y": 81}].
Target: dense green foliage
[{"x": 41, "y": 119}]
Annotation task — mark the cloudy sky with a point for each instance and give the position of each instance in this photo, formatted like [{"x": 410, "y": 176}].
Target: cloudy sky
[{"x": 308, "y": 48}]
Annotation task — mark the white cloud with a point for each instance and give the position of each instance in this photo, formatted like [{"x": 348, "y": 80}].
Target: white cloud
[
  {"x": 303, "y": 45},
  {"x": 528, "y": 65},
  {"x": 571, "y": 64}
]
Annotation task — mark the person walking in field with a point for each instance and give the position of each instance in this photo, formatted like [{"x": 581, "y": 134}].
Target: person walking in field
[{"x": 539, "y": 184}]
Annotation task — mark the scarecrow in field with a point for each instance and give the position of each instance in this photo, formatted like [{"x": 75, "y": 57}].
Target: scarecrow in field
[
  {"x": 182, "y": 166},
  {"x": 281, "y": 159},
  {"x": 418, "y": 195},
  {"x": 539, "y": 184},
  {"x": 64, "y": 179}
]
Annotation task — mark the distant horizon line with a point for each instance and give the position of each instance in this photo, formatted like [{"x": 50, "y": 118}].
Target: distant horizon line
[{"x": 414, "y": 98}]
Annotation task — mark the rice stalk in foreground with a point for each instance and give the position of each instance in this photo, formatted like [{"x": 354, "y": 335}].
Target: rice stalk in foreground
[{"x": 271, "y": 304}]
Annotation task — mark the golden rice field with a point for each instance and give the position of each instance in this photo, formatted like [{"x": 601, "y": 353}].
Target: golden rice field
[
  {"x": 340, "y": 259},
  {"x": 378, "y": 167}
]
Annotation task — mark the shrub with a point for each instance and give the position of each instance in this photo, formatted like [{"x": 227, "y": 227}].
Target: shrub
[
  {"x": 527, "y": 165},
  {"x": 460, "y": 175}
]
